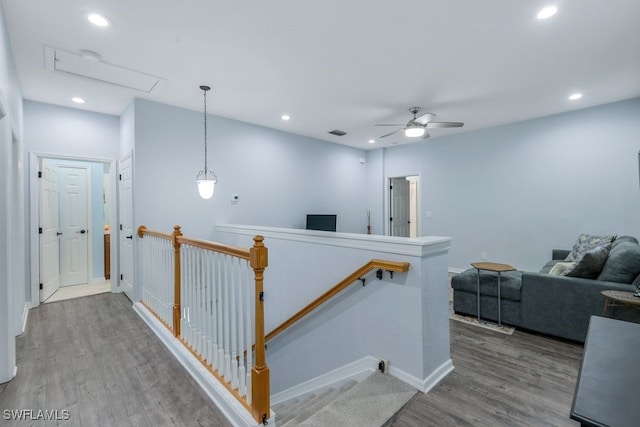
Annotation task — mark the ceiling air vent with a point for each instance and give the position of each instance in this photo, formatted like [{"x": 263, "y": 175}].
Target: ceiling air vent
[{"x": 338, "y": 132}]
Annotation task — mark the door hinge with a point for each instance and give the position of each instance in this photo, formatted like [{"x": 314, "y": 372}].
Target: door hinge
[
  {"x": 39, "y": 174},
  {"x": 120, "y": 177},
  {"x": 41, "y": 286},
  {"x": 122, "y": 277},
  {"x": 120, "y": 227},
  {"x": 391, "y": 219},
  {"x": 39, "y": 230}
]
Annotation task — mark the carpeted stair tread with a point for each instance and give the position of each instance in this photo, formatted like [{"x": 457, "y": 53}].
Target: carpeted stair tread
[
  {"x": 290, "y": 413},
  {"x": 369, "y": 403},
  {"x": 290, "y": 410},
  {"x": 314, "y": 406}
]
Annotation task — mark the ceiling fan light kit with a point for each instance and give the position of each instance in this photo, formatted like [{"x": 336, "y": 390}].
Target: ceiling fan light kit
[
  {"x": 414, "y": 131},
  {"x": 417, "y": 126}
]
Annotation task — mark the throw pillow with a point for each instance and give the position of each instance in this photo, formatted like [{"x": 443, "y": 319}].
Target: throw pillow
[
  {"x": 561, "y": 268},
  {"x": 590, "y": 264},
  {"x": 623, "y": 264},
  {"x": 587, "y": 242}
]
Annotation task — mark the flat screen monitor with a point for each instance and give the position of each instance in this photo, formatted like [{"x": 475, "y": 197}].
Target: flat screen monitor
[{"x": 323, "y": 222}]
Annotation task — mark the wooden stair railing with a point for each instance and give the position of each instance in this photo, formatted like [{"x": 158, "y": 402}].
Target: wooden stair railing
[
  {"x": 374, "y": 264},
  {"x": 258, "y": 402}
]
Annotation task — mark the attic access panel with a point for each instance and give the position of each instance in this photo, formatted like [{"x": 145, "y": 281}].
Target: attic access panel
[{"x": 72, "y": 63}]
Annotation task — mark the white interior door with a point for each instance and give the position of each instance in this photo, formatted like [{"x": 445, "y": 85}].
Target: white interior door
[
  {"x": 125, "y": 239},
  {"x": 74, "y": 225},
  {"x": 49, "y": 238},
  {"x": 399, "y": 216}
]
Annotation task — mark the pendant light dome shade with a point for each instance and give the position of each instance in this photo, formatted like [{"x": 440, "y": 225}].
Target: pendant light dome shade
[
  {"x": 206, "y": 178},
  {"x": 206, "y": 184}
]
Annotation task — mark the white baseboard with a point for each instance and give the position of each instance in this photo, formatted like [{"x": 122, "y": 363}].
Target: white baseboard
[
  {"x": 453, "y": 270},
  {"x": 233, "y": 410},
  {"x": 357, "y": 370},
  {"x": 428, "y": 383}
]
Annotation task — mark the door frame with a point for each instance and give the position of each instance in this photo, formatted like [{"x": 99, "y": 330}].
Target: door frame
[
  {"x": 387, "y": 201},
  {"x": 34, "y": 205}
]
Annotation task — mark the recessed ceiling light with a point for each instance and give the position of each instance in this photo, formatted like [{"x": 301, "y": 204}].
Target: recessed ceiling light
[
  {"x": 78, "y": 100},
  {"x": 98, "y": 20},
  {"x": 285, "y": 117},
  {"x": 575, "y": 96},
  {"x": 547, "y": 12},
  {"x": 371, "y": 141}
]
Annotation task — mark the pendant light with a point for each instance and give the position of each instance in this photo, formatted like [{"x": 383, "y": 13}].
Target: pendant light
[{"x": 206, "y": 178}]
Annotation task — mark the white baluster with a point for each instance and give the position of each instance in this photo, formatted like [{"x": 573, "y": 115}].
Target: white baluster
[
  {"x": 201, "y": 302},
  {"x": 241, "y": 331},
  {"x": 214, "y": 302},
  {"x": 219, "y": 285},
  {"x": 234, "y": 323},
  {"x": 227, "y": 324},
  {"x": 249, "y": 324}
]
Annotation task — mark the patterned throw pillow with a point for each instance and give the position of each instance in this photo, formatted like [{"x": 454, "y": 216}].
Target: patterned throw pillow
[
  {"x": 590, "y": 264},
  {"x": 587, "y": 242}
]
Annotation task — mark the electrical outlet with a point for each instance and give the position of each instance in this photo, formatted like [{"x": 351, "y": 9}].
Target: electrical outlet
[
  {"x": 383, "y": 365},
  {"x": 484, "y": 255}
]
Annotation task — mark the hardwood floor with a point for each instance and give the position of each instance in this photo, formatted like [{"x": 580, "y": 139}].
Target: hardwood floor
[
  {"x": 499, "y": 380},
  {"x": 95, "y": 358}
]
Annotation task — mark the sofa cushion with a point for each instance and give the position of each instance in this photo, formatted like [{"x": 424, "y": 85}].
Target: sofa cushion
[
  {"x": 510, "y": 283},
  {"x": 590, "y": 264},
  {"x": 622, "y": 239},
  {"x": 587, "y": 242},
  {"x": 623, "y": 264}
]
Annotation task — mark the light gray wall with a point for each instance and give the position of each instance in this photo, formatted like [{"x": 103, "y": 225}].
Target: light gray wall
[
  {"x": 519, "y": 190},
  {"x": 279, "y": 177},
  {"x": 12, "y": 250},
  {"x": 70, "y": 132}
]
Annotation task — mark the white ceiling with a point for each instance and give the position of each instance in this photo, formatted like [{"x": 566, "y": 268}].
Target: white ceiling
[{"x": 340, "y": 64}]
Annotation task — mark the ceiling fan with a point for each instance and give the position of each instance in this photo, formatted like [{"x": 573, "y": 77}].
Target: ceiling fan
[{"x": 417, "y": 126}]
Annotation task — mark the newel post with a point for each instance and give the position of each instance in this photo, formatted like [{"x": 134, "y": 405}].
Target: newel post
[
  {"x": 176, "y": 280},
  {"x": 260, "y": 373}
]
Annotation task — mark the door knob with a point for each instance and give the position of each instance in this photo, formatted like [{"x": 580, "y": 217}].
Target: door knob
[
  {"x": 130, "y": 237},
  {"x": 58, "y": 234},
  {"x": 81, "y": 231}
]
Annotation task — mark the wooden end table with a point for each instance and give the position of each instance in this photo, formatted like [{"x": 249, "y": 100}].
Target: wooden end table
[
  {"x": 618, "y": 298},
  {"x": 496, "y": 268}
]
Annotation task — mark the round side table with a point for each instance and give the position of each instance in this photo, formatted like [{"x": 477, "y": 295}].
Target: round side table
[{"x": 618, "y": 298}]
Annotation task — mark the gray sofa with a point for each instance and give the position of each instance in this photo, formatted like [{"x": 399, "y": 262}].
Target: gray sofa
[{"x": 553, "y": 304}]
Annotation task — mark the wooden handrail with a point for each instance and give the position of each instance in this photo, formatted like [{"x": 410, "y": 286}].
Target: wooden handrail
[
  {"x": 401, "y": 267},
  {"x": 143, "y": 231},
  {"x": 217, "y": 247}
]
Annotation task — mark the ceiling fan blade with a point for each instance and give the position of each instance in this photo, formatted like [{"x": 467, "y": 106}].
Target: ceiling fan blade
[
  {"x": 445, "y": 124},
  {"x": 390, "y": 133},
  {"x": 389, "y": 124},
  {"x": 426, "y": 135},
  {"x": 425, "y": 118}
]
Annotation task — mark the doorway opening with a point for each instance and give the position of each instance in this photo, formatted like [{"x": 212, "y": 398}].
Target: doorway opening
[
  {"x": 74, "y": 213},
  {"x": 404, "y": 206}
]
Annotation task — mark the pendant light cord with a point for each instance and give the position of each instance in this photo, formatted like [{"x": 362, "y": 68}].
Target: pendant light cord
[{"x": 205, "y": 133}]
